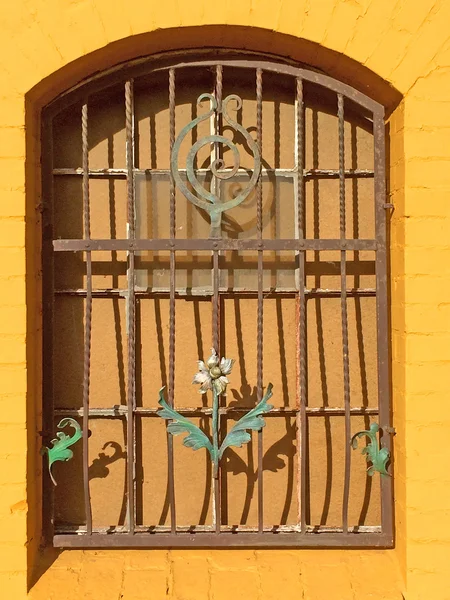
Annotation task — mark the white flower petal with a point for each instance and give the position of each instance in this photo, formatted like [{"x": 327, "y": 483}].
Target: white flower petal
[
  {"x": 200, "y": 377},
  {"x": 220, "y": 384},
  {"x": 202, "y": 366},
  {"x": 213, "y": 360},
  {"x": 226, "y": 365},
  {"x": 206, "y": 385}
]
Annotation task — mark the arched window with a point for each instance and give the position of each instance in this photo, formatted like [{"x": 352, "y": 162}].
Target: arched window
[{"x": 230, "y": 202}]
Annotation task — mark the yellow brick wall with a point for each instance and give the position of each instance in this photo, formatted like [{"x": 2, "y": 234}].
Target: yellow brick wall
[{"x": 48, "y": 45}]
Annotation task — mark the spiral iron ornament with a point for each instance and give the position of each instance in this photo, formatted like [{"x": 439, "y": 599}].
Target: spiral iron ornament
[{"x": 202, "y": 197}]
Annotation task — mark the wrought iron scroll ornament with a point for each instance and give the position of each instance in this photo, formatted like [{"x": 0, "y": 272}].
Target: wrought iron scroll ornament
[
  {"x": 378, "y": 457},
  {"x": 212, "y": 376},
  {"x": 202, "y": 197},
  {"x": 60, "y": 445}
]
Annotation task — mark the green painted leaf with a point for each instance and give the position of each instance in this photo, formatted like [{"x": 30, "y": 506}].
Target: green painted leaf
[
  {"x": 60, "y": 445},
  {"x": 252, "y": 420},
  {"x": 196, "y": 438},
  {"x": 378, "y": 457}
]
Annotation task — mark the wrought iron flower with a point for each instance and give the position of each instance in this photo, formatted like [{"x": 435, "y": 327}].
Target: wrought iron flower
[{"x": 213, "y": 374}]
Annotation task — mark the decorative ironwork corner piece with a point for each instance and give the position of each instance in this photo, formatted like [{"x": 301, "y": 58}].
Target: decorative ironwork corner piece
[
  {"x": 200, "y": 196},
  {"x": 60, "y": 445},
  {"x": 374, "y": 454},
  {"x": 212, "y": 376}
]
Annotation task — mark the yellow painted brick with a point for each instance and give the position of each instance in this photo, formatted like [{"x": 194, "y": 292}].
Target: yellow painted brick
[
  {"x": 14, "y": 436},
  {"x": 13, "y": 319},
  {"x": 144, "y": 585},
  {"x": 12, "y": 174},
  {"x": 420, "y": 112},
  {"x": 57, "y": 584},
  {"x": 239, "y": 585},
  {"x": 12, "y": 204},
  {"x": 13, "y": 264},
  {"x": 342, "y": 24},
  {"x": 291, "y": 17},
  {"x": 14, "y": 584},
  {"x": 430, "y": 38},
  {"x": 13, "y": 465},
  {"x": 391, "y": 48},
  {"x": 146, "y": 559},
  {"x": 12, "y": 142},
  {"x": 334, "y": 582},
  {"x": 429, "y": 524},
  {"x": 426, "y": 259},
  {"x": 13, "y": 408},
  {"x": 421, "y": 583},
  {"x": 423, "y": 347},
  {"x": 100, "y": 31},
  {"x": 422, "y": 143},
  {"x": 280, "y": 571},
  {"x": 432, "y": 86},
  {"x": 317, "y": 18},
  {"x": 426, "y": 288},
  {"x": 362, "y": 569},
  {"x": 370, "y": 28},
  {"x": 12, "y": 349},
  {"x": 14, "y": 379},
  {"x": 101, "y": 577},
  {"x": 427, "y": 202},
  {"x": 422, "y": 318},
  {"x": 233, "y": 559},
  {"x": 13, "y": 558},
  {"x": 190, "y": 577}
]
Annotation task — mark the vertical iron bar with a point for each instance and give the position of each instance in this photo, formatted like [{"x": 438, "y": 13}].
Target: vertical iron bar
[
  {"x": 171, "y": 473},
  {"x": 259, "y": 359},
  {"x": 344, "y": 315},
  {"x": 300, "y": 193},
  {"x": 216, "y": 299},
  {"x": 48, "y": 306},
  {"x": 131, "y": 325},
  {"x": 88, "y": 319},
  {"x": 382, "y": 313},
  {"x": 215, "y": 341}
]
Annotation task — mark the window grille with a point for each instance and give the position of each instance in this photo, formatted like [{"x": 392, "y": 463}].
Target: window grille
[{"x": 144, "y": 235}]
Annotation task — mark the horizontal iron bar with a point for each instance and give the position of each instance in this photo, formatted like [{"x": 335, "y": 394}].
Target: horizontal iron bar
[
  {"x": 211, "y": 244},
  {"x": 307, "y": 173},
  {"x": 156, "y": 529},
  {"x": 121, "y": 410},
  {"x": 208, "y": 540},
  {"x": 182, "y": 292}
]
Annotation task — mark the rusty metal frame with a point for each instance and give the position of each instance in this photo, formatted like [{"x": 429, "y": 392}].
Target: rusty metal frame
[{"x": 300, "y": 535}]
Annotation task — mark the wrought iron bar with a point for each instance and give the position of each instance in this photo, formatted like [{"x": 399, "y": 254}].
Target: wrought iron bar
[
  {"x": 88, "y": 318},
  {"x": 121, "y": 411},
  {"x": 226, "y": 539},
  {"x": 131, "y": 324},
  {"x": 171, "y": 468},
  {"x": 188, "y": 292},
  {"x": 200, "y": 529},
  {"x": 382, "y": 313},
  {"x": 307, "y": 174},
  {"x": 260, "y": 308},
  {"x": 344, "y": 319},
  {"x": 302, "y": 425},
  {"x": 211, "y": 244}
]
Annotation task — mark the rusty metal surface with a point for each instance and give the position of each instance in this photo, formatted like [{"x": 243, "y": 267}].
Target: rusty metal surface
[
  {"x": 212, "y": 244},
  {"x": 88, "y": 318},
  {"x": 171, "y": 390},
  {"x": 300, "y": 535},
  {"x": 224, "y": 540},
  {"x": 131, "y": 311}
]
